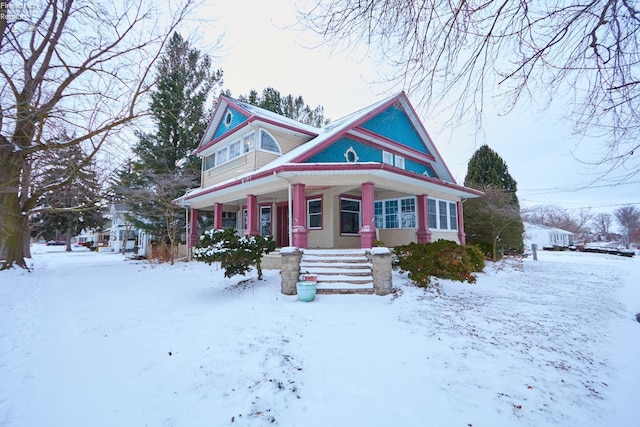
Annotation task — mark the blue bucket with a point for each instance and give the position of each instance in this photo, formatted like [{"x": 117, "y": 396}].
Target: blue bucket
[{"x": 306, "y": 291}]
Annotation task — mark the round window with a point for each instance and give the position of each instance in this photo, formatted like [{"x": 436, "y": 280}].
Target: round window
[{"x": 350, "y": 155}]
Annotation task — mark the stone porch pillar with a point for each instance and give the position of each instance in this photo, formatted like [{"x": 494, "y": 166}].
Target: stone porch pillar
[
  {"x": 252, "y": 216},
  {"x": 461, "y": 235},
  {"x": 423, "y": 233},
  {"x": 368, "y": 229},
  {"x": 217, "y": 216},
  {"x": 289, "y": 271},
  {"x": 299, "y": 230}
]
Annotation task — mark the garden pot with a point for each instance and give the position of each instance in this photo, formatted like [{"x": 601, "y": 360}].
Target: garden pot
[
  {"x": 310, "y": 278},
  {"x": 306, "y": 291}
]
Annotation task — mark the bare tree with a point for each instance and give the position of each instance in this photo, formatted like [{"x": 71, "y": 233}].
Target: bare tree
[
  {"x": 602, "y": 224},
  {"x": 628, "y": 217},
  {"x": 467, "y": 52},
  {"x": 74, "y": 65}
]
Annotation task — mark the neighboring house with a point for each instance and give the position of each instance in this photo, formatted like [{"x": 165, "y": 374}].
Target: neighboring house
[
  {"x": 373, "y": 175},
  {"x": 123, "y": 233},
  {"x": 545, "y": 236}
]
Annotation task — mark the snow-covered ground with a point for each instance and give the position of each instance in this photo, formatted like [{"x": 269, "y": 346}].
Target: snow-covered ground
[{"x": 89, "y": 339}]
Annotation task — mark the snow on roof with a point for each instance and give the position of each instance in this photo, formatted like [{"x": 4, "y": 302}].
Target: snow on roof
[
  {"x": 270, "y": 115},
  {"x": 531, "y": 227}
]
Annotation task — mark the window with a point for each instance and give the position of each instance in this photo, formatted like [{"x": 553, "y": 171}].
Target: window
[
  {"x": 265, "y": 220},
  {"x": 433, "y": 215},
  {"x": 247, "y": 143},
  {"x": 395, "y": 213},
  {"x": 349, "y": 216},
  {"x": 268, "y": 143},
  {"x": 229, "y": 219},
  {"x": 234, "y": 150},
  {"x": 314, "y": 214},
  {"x": 228, "y": 118},
  {"x": 400, "y": 162},
  {"x": 221, "y": 156},
  {"x": 391, "y": 214},
  {"x": 244, "y": 219},
  {"x": 387, "y": 157},
  {"x": 442, "y": 214},
  {"x": 408, "y": 213},
  {"x": 453, "y": 216},
  {"x": 377, "y": 214},
  {"x": 209, "y": 161}
]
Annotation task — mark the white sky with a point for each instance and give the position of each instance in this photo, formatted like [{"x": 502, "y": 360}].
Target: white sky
[{"x": 259, "y": 51}]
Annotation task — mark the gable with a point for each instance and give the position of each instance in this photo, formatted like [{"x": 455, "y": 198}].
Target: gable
[
  {"x": 231, "y": 119},
  {"x": 393, "y": 123},
  {"x": 339, "y": 152}
]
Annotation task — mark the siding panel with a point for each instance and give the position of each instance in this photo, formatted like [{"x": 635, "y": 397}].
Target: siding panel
[{"x": 394, "y": 124}]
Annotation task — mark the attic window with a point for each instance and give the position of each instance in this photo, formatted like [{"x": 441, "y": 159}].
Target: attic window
[
  {"x": 350, "y": 155},
  {"x": 268, "y": 142},
  {"x": 228, "y": 118}
]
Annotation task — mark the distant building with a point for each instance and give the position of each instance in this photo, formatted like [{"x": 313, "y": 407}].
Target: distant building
[{"x": 545, "y": 236}]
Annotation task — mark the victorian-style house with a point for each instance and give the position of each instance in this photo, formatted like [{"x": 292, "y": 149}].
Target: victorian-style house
[{"x": 373, "y": 176}]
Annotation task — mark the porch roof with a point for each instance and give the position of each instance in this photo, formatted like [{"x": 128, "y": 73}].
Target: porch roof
[{"x": 279, "y": 177}]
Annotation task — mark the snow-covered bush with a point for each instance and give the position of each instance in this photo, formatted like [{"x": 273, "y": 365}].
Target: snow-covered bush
[{"x": 236, "y": 254}]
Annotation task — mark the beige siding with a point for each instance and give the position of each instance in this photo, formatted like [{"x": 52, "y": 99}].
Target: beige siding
[
  {"x": 264, "y": 157},
  {"x": 445, "y": 235},
  {"x": 397, "y": 237},
  {"x": 323, "y": 238},
  {"x": 231, "y": 169}
]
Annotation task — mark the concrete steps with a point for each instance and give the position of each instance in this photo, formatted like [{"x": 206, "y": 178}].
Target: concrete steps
[{"x": 339, "y": 271}]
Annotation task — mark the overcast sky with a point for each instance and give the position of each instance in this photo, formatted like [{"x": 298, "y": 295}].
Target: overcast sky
[{"x": 260, "y": 51}]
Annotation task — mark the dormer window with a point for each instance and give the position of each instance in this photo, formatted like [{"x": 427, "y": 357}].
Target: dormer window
[{"x": 268, "y": 142}]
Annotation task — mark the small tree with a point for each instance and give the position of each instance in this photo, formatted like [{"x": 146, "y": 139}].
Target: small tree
[
  {"x": 492, "y": 221},
  {"x": 236, "y": 254}
]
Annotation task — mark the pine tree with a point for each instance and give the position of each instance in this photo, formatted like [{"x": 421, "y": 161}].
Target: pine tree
[
  {"x": 66, "y": 210},
  {"x": 288, "y": 106},
  {"x": 163, "y": 168},
  {"x": 493, "y": 221}
]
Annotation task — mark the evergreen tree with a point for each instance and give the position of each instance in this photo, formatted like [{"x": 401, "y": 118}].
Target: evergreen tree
[
  {"x": 164, "y": 168},
  {"x": 69, "y": 208},
  {"x": 492, "y": 221},
  {"x": 288, "y": 106}
]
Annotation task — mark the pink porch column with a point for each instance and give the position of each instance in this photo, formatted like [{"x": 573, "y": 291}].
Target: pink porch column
[
  {"x": 368, "y": 229},
  {"x": 194, "y": 236},
  {"x": 252, "y": 216},
  {"x": 461, "y": 235},
  {"x": 217, "y": 216},
  {"x": 299, "y": 230},
  {"x": 423, "y": 233}
]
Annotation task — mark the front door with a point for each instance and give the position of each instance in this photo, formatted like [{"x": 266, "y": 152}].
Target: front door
[{"x": 282, "y": 219}]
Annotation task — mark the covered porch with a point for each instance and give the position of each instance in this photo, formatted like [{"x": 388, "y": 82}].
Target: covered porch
[{"x": 311, "y": 206}]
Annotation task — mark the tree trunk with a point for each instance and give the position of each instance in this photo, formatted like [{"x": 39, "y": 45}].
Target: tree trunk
[{"x": 12, "y": 234}]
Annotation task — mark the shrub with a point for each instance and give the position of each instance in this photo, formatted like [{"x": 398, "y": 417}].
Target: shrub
[
  {"x": 236, "y": 254},
  {"x": 443, "y": 259}
]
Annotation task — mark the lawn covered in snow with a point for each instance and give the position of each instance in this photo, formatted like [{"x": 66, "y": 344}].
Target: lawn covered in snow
[{"x": 90, "y": 339}]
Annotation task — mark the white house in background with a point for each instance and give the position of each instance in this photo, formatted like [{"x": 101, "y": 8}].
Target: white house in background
[
  {"x": 123, "y": 233},
  {"x": 545, "y": 236}
]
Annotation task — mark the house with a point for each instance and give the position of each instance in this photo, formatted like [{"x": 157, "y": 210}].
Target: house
[
  {"x": 546, "y": 237},
  {"x": 373, "y": 176},
  {"x": 123, "y": 234}
]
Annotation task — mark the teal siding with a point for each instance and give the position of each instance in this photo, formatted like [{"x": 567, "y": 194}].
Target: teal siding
[
  {"x": 418, "y": 168},
  {"x": 237, "y": 119},
  {"x": 394, "y": 124},
  {"x": 335, "y": 152}
]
